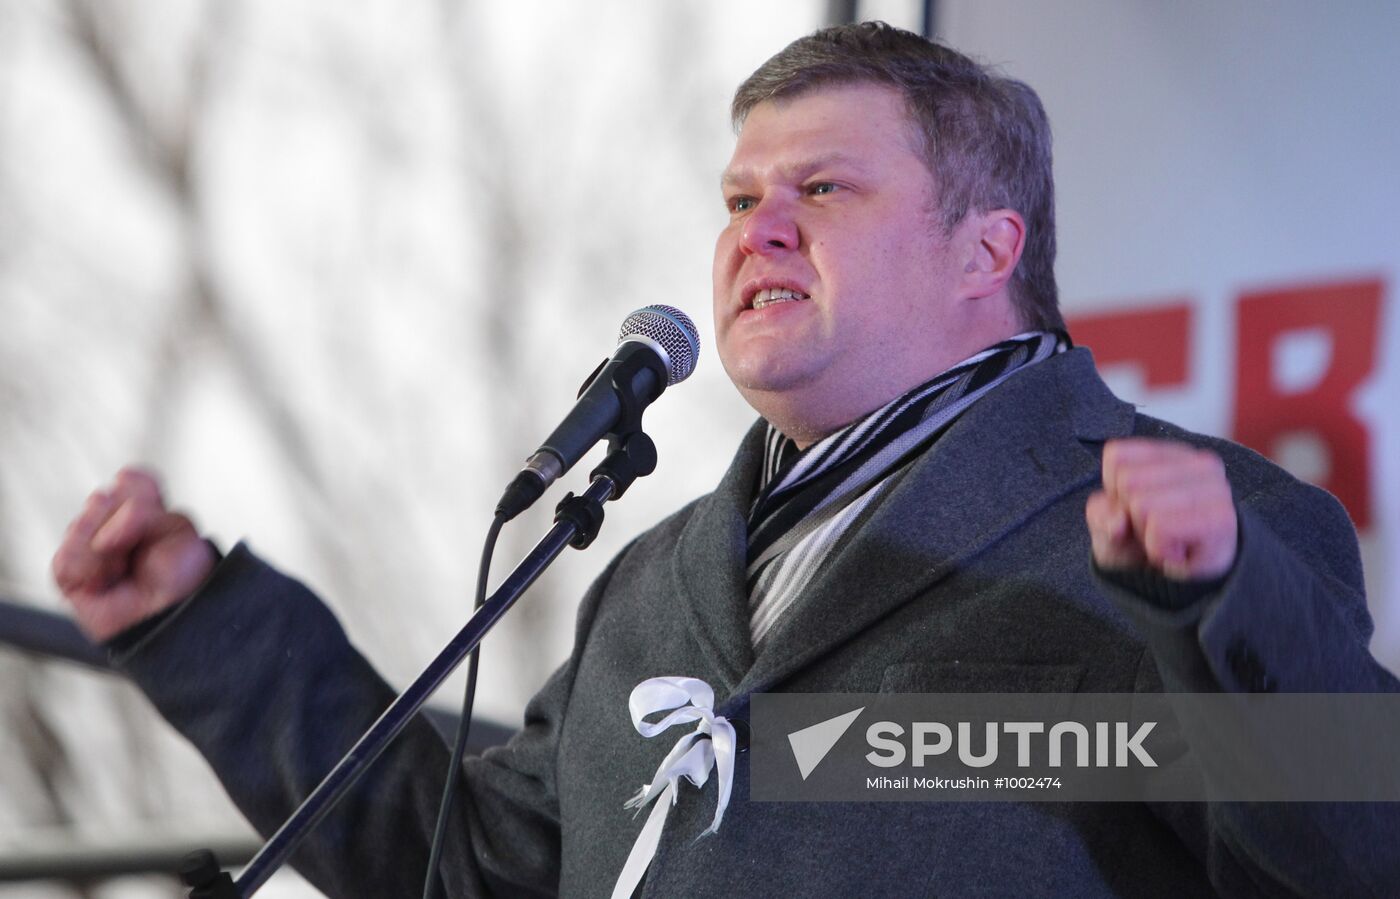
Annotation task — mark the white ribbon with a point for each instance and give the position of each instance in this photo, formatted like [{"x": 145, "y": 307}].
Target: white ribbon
[{"x": 710, "y": 745}]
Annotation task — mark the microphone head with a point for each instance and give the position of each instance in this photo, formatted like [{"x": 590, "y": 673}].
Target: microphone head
[{"x": 673, "y": 331}]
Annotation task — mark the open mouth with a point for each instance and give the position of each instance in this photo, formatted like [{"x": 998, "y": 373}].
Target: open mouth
[{"x": 772, "y": 296}]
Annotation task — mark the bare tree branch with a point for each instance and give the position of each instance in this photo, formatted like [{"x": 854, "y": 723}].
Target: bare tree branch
[{"x": 204, "y": 311}]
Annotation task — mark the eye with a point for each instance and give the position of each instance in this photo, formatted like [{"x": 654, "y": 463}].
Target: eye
[
  {"x": 822, "y": 187},
  {"x": 740, "y": 203}
]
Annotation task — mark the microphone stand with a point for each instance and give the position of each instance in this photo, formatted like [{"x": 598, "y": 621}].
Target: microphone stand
[{"x": 631, "y": 454}]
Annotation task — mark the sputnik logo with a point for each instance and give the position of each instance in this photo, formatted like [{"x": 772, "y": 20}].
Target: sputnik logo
[{"x": 811, "y": 744}]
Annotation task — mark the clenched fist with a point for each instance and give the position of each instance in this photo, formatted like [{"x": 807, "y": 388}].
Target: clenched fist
[
  {"x": 126, "y": 557},
  {"x": 1165, "y": 506}
]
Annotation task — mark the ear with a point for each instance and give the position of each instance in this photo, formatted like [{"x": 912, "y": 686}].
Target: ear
[{"x": 995, "y": 241}]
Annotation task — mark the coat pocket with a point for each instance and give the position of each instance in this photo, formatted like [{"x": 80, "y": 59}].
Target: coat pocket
[{"x": 980, "y": 677}]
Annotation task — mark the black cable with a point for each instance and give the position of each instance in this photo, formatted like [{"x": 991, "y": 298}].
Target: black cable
[{"x": 431, "y": 881}]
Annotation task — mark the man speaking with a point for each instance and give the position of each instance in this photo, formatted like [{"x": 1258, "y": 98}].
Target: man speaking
[{"x": 940, "y": 496}]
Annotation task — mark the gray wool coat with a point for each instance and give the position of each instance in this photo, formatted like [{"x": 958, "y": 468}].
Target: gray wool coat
[{"x": 973, "y": 574}]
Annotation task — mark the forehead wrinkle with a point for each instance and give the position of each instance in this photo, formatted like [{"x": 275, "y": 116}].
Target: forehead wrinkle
[{"x": 795, "y": 170}]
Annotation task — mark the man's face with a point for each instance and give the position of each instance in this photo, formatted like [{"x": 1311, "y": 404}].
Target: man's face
[{"x": 833, "y": 287}]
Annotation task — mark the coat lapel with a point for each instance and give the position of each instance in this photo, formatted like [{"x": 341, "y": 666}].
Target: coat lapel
[
  {"x": 709, "y": 568},
  {"x": 1017, "y": 450}
]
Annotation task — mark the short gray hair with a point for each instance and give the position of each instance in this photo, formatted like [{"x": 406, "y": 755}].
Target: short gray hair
[{"x": 986, "y": 137}]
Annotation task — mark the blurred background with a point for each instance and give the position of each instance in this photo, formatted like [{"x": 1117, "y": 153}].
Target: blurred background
[{"x": 334, "y": 269}]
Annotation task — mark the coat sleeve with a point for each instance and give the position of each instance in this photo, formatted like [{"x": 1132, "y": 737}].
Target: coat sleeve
[
  {"x": 1290, "y": 617},
  {"x": 256, "y": 672}
]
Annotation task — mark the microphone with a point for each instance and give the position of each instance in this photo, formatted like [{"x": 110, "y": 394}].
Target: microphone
[{"x": 657, "y": 346}]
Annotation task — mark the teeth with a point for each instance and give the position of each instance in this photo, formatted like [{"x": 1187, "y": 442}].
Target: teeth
[{"x": 773, "y": 295}]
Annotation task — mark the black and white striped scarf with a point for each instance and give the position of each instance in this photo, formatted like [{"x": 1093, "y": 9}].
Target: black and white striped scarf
[{"x": 807, "y": 500}]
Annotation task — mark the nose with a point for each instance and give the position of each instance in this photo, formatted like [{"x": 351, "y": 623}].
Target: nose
[{"x": 769, "y": 228}]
